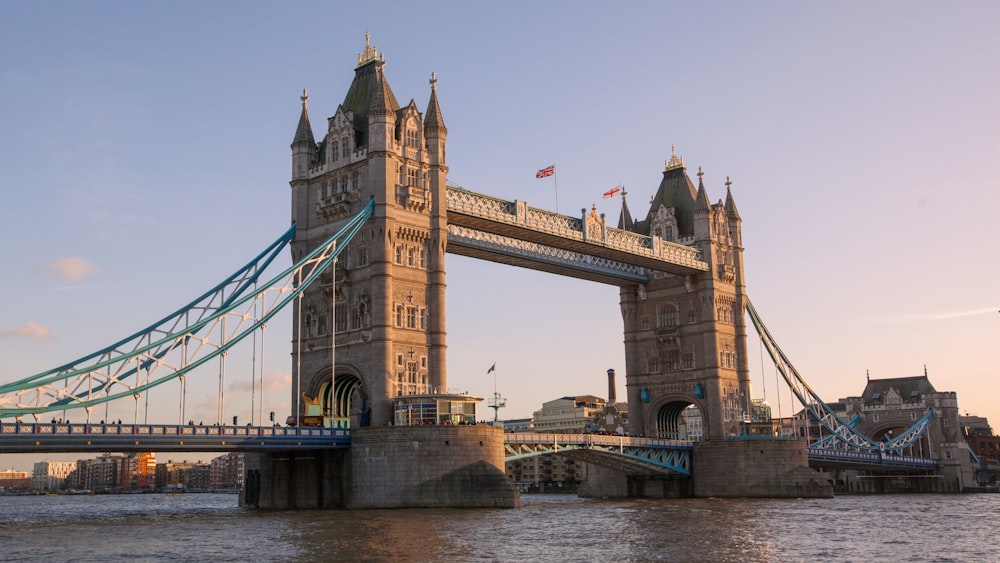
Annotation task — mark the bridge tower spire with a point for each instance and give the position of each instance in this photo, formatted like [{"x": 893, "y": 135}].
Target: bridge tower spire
[
  {"x": 383, "y": 307},
  {"x": 685, "y": 336}
]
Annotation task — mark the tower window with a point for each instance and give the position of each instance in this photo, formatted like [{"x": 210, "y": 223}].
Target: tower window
[{"x": 668, "y": 316}]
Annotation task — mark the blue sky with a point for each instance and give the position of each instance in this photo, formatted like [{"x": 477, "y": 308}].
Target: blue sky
[{"x": 144, "y": 152}]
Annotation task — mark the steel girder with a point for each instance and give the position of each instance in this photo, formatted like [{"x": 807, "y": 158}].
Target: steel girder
[
  {"x": 652, "y": 455},
  {"x": 205, "y": 329},
  {"x": 841, "y": 434}
]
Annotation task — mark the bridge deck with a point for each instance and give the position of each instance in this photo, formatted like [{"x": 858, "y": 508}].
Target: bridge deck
[
  {"x": 49, "y": 437},
  {"x": 867, "y": 460},
  {"x": 512, "y": 232}
]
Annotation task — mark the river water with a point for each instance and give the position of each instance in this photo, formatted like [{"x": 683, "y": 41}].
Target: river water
[{"x": 204, "y": 527}]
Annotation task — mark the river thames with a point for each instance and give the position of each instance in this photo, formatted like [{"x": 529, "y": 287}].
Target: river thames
[{"x": 205, "y": 527}]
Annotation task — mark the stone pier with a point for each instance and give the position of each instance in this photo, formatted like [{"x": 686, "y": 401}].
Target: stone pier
[
  {"x": 389, "y": 467},
  {"x": 756, "y": 468}
]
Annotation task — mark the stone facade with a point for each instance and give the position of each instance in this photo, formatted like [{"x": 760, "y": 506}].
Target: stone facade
[
  {"x": 685, "y": 336},
  {"x": 756, "y": 468},
  {"x": 888, "y": 407},
  {"x": 429, "y": 466},
  {"x": 385, "y": 299}
]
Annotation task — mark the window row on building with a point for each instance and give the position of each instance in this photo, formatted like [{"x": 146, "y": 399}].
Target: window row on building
[
  {"x": 670, "y": 360},
  {"x": 410, "y": 255}
]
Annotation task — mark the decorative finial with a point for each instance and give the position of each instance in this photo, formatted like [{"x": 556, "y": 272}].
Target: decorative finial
[
  {"x": 674, "y": 162},
  {"x": 433, "y": 80},
  {"x": 370, "y": 53},
  {"x": 700, "y": 174},
  {"x": 305, "y": 98}
]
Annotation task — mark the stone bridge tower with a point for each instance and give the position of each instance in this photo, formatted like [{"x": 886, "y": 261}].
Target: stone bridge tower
[
  {"x": 685, "y": 336},
  {"x": 384, "y": 303}
]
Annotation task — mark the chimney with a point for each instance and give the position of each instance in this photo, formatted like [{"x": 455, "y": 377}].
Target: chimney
[{"x": 611, "y": 387}]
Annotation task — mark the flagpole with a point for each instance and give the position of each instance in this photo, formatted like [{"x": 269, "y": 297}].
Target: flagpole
[
  {"x": 622, "y": 214},
  {"x": 555, "y": 179}
]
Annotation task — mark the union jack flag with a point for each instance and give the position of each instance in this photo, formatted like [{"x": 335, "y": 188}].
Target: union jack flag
[{"x": 548, "y": 171}]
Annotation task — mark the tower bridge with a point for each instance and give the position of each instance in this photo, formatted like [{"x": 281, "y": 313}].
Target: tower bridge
[{"x": 374, "y": 217}]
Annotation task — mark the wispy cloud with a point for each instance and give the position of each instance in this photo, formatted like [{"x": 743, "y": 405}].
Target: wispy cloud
[
  {"x": 30, "y": 331},
  {"x": 936, "y": 316},
  {"x": 72, "y": 268}
]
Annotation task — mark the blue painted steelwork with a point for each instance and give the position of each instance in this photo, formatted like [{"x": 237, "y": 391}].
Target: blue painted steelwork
[
  {"x": 166, "y": 344},
  {"x": 55, "y": 437},
  {"x": 863, "y": 459},
  {"x": 842, "y": 435},
  {"x": 655, "y": 454},
  {"x": 236, "y": 284}
]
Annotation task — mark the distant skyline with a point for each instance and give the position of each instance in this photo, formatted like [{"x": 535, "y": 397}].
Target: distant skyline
[{"x": 144, "y": 155}]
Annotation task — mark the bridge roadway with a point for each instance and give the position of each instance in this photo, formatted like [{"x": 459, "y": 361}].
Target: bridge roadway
[
  {"x": 47, "y": 437},
  {"x": 866, "y": 460},
  {"x": 628, "y": 454},
  {"x": 512, "y": 232}
]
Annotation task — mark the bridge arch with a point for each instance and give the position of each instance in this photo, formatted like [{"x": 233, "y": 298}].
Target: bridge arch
[
  {"x": 346, "y": 403},
  {"x": 667, "y": 419},
  {"x": 892, "y": 428}
]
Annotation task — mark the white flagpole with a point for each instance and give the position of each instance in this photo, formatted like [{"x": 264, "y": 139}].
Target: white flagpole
[
  {"x": 555, "y": 179},
  {"x": 622, "y": 219}
]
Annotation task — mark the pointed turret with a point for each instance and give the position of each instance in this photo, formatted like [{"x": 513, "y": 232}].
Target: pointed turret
[
  {"x": 304, "y": 132},
  {"x": 625, "y": 221},
  {"x": 383, "y": 102},
  {"x": 701, "y": 204},
  {"x": 730, "y": 204},
  {"x": 369, "y": 92},
  {"x": 675, "y": 192},
  {"x": 435, "y": 133},
  {"x": 304, "y": 144},
  {"x": 432, "y": 118},
  {"x": 702, "y": 211}
]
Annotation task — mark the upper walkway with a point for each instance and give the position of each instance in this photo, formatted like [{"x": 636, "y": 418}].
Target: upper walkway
[{"x": 512, "y": 232}]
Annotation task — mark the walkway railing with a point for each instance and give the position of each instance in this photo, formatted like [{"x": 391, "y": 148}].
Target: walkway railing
[
  {"x": 656, "y": 455},
  {"x": 592, "y": 231},
  {"x": 21, "y": 437},
  {"x": 870, "y": 459}
]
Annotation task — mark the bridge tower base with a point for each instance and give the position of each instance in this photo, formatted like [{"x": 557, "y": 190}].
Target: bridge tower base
[
  {"x": 296, "y": 479},
  {"x": 756, "y": 468},
  {"x": 430, "y": 467},
  {"x": 387, "y": 467},
  {"x": 602, "y": 482}
]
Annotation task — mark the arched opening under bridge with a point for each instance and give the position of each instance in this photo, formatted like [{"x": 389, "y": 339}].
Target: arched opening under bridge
[
  {"x": 346, "y": 406},
  {"x": 679, "y": 420}
]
